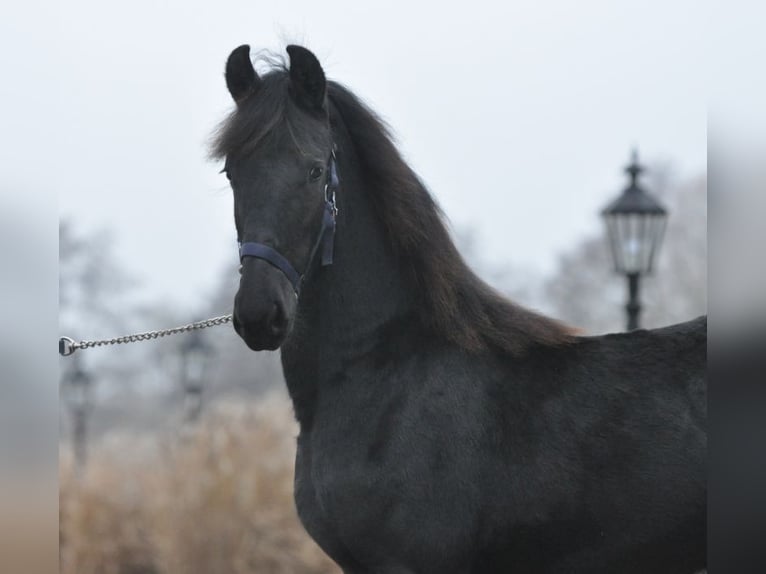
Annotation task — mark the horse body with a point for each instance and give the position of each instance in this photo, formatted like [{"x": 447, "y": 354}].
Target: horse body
[
  {"x": 573, "y": 460},
  {"x": 443, "y": 429}
]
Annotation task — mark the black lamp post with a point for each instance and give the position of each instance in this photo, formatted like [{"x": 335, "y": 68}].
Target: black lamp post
[
  {"x": 635, "y": 224},
  {"x": 77, "y": 388},
  {"x": 195, "y": 357}
]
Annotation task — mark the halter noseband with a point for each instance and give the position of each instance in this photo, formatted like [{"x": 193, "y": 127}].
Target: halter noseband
[{"x": 325, "y": 240}]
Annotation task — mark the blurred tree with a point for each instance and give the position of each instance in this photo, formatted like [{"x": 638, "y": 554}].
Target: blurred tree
[
  {"x": 586, "y": 293},
  {"x": 94, "y": 303},
  {"x": 90, "y": 281}
]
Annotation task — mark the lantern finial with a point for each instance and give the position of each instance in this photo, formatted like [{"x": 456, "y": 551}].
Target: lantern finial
[{"x": 634, "y": 169}]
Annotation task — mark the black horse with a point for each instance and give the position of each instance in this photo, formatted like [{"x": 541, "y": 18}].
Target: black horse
[{"x": 444, "y": 429}]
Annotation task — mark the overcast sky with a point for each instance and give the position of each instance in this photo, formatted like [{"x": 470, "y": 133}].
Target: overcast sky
[{"x": 518, "y": 115}]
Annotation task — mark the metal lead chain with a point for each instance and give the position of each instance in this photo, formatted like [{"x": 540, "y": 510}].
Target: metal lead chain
[{"x": 68, "y": 346}]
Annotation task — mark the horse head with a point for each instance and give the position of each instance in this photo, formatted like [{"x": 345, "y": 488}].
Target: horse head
[{"x": 279, "y": 159}]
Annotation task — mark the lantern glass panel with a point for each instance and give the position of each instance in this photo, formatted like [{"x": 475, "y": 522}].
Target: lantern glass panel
[{"x": 634, "y": 240}]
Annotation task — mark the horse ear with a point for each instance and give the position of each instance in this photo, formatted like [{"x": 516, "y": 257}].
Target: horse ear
[
  {"x": 307, "y": 81},
  {"x": 241, "y": 78}
]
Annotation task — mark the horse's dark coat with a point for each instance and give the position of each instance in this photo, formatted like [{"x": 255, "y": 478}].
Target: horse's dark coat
[{"x": 443, "y": 429}]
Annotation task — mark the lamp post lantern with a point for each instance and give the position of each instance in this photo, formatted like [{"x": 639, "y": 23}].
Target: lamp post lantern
[
  {"x": 195, "y": 356},
  {"x": 635, "y": 224},
  {"x": 77, "y": 388}
]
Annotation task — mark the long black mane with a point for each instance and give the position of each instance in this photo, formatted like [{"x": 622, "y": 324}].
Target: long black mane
[{"x": 455, "y": 303}]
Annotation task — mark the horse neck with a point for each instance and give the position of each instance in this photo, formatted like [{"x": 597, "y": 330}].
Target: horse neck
[{"x": 344, "y": 308}]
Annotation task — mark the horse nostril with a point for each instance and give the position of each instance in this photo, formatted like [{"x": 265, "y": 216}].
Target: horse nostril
[{"x": 277, "y": 320}]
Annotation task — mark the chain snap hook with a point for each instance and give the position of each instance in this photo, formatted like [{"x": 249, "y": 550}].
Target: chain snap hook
[{"x": 67, "y": 346}]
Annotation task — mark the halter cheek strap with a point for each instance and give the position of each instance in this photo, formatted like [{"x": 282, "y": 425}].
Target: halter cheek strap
[{"x": 325, "y": 240}]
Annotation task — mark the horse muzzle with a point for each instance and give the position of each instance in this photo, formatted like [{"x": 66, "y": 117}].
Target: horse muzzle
[{"x": 264, "y": 306}]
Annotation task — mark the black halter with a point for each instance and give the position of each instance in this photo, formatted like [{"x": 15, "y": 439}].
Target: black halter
[{"x": 325, "y": 240}]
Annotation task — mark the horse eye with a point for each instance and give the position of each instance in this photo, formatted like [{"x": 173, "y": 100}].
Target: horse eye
[{"x": 315, "y": 173}]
